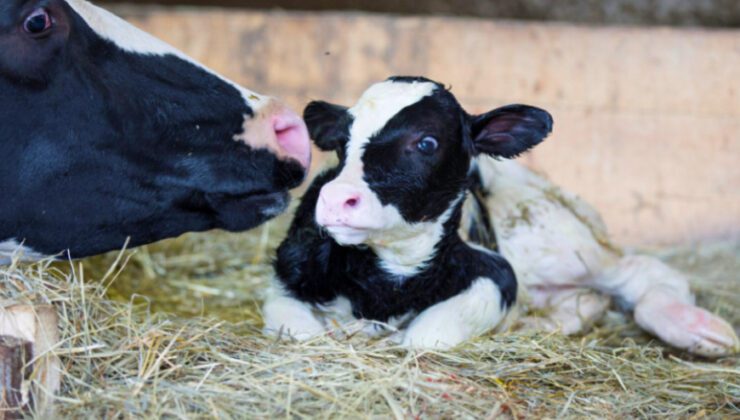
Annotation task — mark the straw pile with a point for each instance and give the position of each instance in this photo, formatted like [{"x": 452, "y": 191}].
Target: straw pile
[{"x": 174, "y": 330}]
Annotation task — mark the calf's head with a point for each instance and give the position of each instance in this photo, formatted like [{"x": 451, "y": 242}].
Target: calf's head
[
  {"x": 108, "y": 133},
  {"x": 406, "y": 149}
]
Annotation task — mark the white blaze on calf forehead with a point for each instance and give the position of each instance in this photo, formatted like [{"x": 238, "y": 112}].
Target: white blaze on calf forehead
[
  {"x": 131, "y": 39},
  {"x": 381, "y": 101},
  {"x": 376, "y": 107}
]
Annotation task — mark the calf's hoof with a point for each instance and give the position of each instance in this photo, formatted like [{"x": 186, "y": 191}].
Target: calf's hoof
[
  {"x": 686, "y": 326},
  {"x": 431, "y": 340},
  {"x": 297, "y": 332},
  {"x": 288, "y": 318}
]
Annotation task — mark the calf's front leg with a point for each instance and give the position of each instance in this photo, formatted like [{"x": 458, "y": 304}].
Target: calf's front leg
[
  {"x": 284, "y": 314},
  {"x": 459, "y": 318}
]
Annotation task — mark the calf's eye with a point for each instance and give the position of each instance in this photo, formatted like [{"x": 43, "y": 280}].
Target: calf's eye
[
  {"x": 427, "y": 145},
  {"x": 38, "y": 22}
]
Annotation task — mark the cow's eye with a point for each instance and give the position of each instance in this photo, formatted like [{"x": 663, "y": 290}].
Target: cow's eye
[
  {"x": 427, "y": 145},
  {"x": 38, "y": 22}
]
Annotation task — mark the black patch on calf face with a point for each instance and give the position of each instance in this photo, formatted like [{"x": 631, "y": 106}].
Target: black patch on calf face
[
  {"x": 100, "y": 144},
  {"x": 422, "y": 186}
]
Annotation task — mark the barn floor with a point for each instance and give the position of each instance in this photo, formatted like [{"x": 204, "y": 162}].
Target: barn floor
[{"x": 176, "y": 332}]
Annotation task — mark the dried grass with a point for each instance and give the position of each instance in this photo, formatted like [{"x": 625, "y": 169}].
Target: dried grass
[{"x": 175, "y": 332}]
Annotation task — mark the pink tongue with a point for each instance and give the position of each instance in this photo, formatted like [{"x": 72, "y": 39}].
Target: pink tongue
[{"x": 292, "y": 137}]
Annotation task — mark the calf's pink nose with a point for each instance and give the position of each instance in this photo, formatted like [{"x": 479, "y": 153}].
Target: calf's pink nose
[
  {"x": 292, "y": 136},
  {"x": 337, "y": 204}
]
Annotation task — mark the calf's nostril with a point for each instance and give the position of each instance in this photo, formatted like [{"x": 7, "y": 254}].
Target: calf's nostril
[{"x": 352, "y": 202}]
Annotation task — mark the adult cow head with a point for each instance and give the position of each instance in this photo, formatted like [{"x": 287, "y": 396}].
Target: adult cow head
[{"x": 107, "y": 132}]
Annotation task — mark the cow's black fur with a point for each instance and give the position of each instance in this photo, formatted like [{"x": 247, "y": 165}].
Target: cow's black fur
[
  {"x": 100, "y": 144},
  {"x": 314, "y": 268}
]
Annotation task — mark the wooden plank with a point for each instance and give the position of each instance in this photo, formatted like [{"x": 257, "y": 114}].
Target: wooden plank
[
  {"x": 37, "y": 325},
  {"x": 646, "y": 118},
  {"x": 633, "y": 12},
  {"x": 15, "y": 354}
]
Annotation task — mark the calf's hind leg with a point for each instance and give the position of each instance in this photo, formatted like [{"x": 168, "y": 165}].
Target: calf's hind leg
[
  {"x": 570, "y": 310},
  {"x": 664, "y": 306},
  {"x": 457, "y": 319}
]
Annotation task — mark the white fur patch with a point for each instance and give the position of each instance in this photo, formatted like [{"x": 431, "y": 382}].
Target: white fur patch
[
  {"x": 340, "y": 309},
  {"x": 545, "y": 240},
  {"x": 132, "y": 39},
  {"x": 460, "y": 318},
  {"x": 11, "y": 249},
  {"x": 286, "y": 315},
  {"x": 552, "y": 239},
  {"x": 405, "y": 248},
  {"x": 634, "y": 276}
]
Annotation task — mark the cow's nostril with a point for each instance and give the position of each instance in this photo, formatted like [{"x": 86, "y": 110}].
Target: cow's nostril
[{"x": 352, "y": 202}]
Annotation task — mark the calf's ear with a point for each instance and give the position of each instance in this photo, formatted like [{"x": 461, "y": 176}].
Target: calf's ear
[
  {"x": 328, "y": 124},
  {"x": 509, "y": 131}
]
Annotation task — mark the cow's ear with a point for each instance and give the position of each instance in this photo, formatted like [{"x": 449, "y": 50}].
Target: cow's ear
[
  {"x": 509, "y": 131},
  {"x": 328, "y": 124}
]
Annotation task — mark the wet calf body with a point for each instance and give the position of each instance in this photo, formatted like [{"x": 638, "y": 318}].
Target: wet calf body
[{"x": 377, "y": 236}]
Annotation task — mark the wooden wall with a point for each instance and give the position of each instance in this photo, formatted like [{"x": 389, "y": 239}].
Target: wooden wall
[
  {"x": 647, "y": 120},
  {"x": 705, "y": 13}
]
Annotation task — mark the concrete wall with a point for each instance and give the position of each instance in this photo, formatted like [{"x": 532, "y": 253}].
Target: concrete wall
[{"x": 647, "y": 120}]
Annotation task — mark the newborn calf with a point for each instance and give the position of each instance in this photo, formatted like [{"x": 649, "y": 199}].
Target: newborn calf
[{"x": 377, "y": 236}]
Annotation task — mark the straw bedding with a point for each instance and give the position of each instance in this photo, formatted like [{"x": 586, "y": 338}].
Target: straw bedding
[{"x": 173, "y": 330}]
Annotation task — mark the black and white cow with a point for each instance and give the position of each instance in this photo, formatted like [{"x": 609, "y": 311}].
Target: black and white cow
[
  {"x": 107, "y": 133},
  {"x": 376, "y": 238}
]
